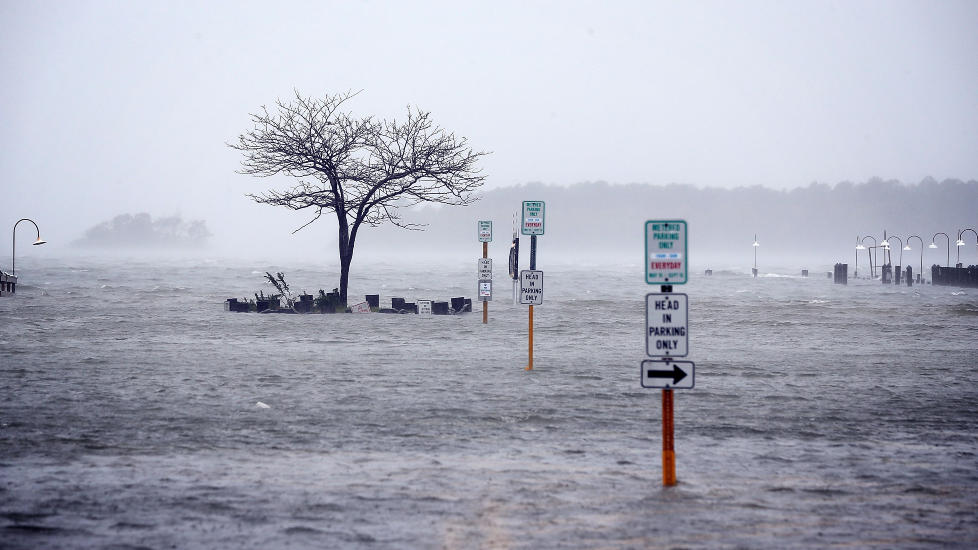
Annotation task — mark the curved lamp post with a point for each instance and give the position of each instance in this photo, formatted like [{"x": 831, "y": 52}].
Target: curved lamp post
[
  {"x": 872, "y": 266},
  {"x": 932, "y": 245},
  {"x": 13, "y": 247},
  {"x": 960, "y": 242},
  {"x": 921, "y": 272},
  {"x": 859, "y": 246},
  {"x": 886, "y": 245}
]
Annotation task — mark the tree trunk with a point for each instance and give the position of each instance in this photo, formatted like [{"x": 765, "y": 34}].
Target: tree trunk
[
  {"x": 344, "y": 276},
  {"x": 346, "y": 253}
]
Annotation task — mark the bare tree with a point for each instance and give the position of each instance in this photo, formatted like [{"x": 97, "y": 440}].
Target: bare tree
[{"x": 363, "y": 170}]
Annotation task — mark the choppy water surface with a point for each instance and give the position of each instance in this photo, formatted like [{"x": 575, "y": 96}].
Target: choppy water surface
[{"x": 822, "y": 415}]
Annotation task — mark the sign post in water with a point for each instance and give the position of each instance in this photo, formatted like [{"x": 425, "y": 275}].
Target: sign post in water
[
  {"x": 532, "y": 224},
  {"x": 485, "y": 268},
  {"x": 667, "y": 326}
]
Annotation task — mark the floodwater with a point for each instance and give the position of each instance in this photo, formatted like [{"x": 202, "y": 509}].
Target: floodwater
[{"x": 822, "y": 415}]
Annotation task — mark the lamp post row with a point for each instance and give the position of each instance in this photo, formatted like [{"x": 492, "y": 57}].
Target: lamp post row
[{"x": 886, "y": 248}]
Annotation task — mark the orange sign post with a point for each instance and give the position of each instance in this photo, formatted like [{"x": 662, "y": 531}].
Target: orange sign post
[{"x": 666, "y": 333}]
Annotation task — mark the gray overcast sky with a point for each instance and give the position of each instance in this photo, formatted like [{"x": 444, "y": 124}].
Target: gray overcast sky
[{"x": 111, "y": 107}]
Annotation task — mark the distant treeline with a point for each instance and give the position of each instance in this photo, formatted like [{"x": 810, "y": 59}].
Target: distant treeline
[
  {"x": 141, "y": 230},
  {"x": 820, "y": 221}
]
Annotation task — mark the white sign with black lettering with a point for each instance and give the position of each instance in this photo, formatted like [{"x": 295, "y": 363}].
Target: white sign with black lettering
[
  {"x": 485, "y": 291},
  {"x": 424, "y": 307},
  {"x": 531, "y": 287},
  {"x": 485, "y": 269},
  {"x": 667, "y": 318}
]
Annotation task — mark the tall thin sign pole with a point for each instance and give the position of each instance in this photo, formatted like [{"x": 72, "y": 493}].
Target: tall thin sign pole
[
  {"x": 668, "y": 446},
  {"x": 514, "y": 265},
  {"x": 666, "y": 257},
  {"x": 485, "y": 268},
  {"x": 531, "y": 281},
  {"x": 533, "y": 266},
  {"x": 485, "y": 304},
  {"x": 668, "y": 452}
]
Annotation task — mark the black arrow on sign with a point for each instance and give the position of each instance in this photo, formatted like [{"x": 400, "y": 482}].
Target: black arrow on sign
[{"x": 677, "y": 374}]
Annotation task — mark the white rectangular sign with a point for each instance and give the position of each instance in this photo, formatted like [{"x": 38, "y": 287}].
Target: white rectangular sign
[
  {"x": 424, "y": 307},
  {"x": 668, "y": 374},
  {"x": 362, "y": 307},
  {"x": 485, "y": 231},
  {"x": 533, "y": 217},
  {"x": 531, "y": 287},
  {"x": 485, "y": 291},
  {"x": 667, "y": 317},
  {"x": 666, "y": 256},
  {"x": 485, "y": 269}
]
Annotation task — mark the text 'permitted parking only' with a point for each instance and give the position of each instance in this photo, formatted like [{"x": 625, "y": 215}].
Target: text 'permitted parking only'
[
  {"x": 666, "y": 261},
  {"x": 533, "y": 217},
  {"x": 485, "y": 231}
]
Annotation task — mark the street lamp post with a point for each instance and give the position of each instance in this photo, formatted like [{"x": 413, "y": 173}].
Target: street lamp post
[
  {"x": 932, "y": 245},
  {"x": 859, "y": 246},
  {"x": 13, "y": 247},
  {"x": 872, "y": 267},
  {"x": 921, "y": 272},
  {"x": 901, "y": 248},
  {"x": 960, "y": 242}
]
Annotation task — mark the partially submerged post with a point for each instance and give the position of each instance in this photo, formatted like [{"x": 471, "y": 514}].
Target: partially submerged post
[
  {"x": 531, "y": 281},
  {"x": 514, "y": 263},
  {"x": 841, "y": 274},
  {"x": 755, "y": 245},
  {"x": 667, "y": 337},
  {"x": 485, "y": 268}
]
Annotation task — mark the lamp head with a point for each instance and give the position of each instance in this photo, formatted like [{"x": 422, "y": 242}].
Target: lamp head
[
  {"x": 907, "y": 247},
  {"x": 932, "y": 245},
  {"x": 39, "y": 241},
  {"x": 860, "y": 247}
]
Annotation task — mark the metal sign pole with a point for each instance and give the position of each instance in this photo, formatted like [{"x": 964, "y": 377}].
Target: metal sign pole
[
  {"x": 668, "y": 446},
  {"x": 530, "y": 366},
  {"x": 668, "y": 452},
  {"x": 533, "y": 266},
  {"x": 667, "y": 331},
  {"x": 531, "y": 286},
  {"x": 485, "y": 304}
]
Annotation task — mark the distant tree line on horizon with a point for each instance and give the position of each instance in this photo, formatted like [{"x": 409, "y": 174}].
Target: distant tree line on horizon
[
  {"x": 141, "y": 230},
  {"x": 819, "y": 218}
]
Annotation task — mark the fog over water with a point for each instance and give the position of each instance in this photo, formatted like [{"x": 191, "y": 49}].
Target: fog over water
[
  {"x": 120, "y": 108},
  {"x": 135, "y": 412}
]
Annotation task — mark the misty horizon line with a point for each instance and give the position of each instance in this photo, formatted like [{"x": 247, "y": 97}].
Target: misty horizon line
[
  {"x": 590, "y": 219},
  {"x": 928, "y": 180}
]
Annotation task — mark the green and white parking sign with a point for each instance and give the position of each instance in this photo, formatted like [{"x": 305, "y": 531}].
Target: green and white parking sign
[
  {"x": 666, "y": 258},
  {"x": 533, "y": 216}
]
